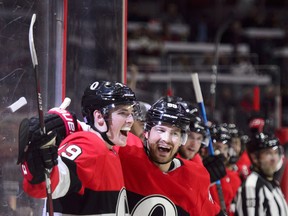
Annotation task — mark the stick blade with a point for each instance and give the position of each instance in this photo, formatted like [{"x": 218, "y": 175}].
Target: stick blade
[
  {"x": 31, "y": 41},
  {"x": 23, "y": 140}
]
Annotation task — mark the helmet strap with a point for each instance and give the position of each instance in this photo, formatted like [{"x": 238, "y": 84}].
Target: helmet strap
[{"x": 103, "y": 135}]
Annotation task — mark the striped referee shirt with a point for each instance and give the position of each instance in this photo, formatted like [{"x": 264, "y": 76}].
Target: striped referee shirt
[{"x": 260, "y": 197}]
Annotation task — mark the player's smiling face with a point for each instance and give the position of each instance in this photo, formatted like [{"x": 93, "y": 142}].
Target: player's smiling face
[
  {"x": 192, "y": 146},
  {"x": 164, "y": 142},
  {"x": 121, "y": 121}
]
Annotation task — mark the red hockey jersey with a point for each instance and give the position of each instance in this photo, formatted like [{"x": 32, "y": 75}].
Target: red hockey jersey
[
  {"x": 88, "y": 179},
  {"x": 181, "y": 191},
  {"x": 243, "y": 166},
  {"x": 230, "y": 184}
]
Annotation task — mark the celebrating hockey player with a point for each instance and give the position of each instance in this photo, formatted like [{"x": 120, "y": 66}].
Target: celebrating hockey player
[
  {"x": 86, "y": 173},
  {"x": 156, "y": 180},
  {"x": 197, "y": 138},
  {"x": 153, "y": 173}
]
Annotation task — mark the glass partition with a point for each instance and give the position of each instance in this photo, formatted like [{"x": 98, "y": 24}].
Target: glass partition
[
  {"x": 17, "y": 81},
  {"x": 95, "y": 50},
  {"x": 95, "y": 45}
]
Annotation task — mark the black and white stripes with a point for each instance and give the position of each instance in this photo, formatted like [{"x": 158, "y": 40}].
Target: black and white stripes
[{"x": 260, "y": 197}]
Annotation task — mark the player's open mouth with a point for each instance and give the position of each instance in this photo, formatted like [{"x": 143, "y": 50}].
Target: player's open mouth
[
  {"x": 125, "y": 131},
  {"x": 164, "y": 148}
]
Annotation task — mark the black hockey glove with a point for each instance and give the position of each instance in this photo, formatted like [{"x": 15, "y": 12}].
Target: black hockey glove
[
  {"x": 37, "y": 152},
  {"x": 59, "y": 121},
  {"x": 215, "y": 166}
]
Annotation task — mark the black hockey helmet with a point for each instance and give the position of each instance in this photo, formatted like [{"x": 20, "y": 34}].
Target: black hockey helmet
[
  {"x": 142, "y": 109},
  {"x": 190, "y": 108},
  {"x": 261, "y": 141},
  {"x": 168, "y": 110},
  {"x": 220, "y": 133},
  {"x": 197, "y": 125},
  {"x": 233, "y": 130},
  {"x": 104, "y": 95}
]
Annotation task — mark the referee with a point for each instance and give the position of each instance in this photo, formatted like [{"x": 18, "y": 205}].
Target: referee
[{"x": 260, "y": 194}]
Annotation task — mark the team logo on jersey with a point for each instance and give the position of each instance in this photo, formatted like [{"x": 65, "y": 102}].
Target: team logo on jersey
[{"x": 149, "y": 204}]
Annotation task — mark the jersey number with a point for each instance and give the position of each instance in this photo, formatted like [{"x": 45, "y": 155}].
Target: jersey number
[{"x": 72, "y": 152}]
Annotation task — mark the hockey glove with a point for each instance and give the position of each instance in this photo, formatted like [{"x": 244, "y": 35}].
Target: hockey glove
[
  {"x": 41, "y": 154},
  {"x": 215, "y": 166},
  {"x": 59, "y": 121}
]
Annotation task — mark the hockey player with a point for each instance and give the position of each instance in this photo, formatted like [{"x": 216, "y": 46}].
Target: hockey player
[
  {"x": 197, "y": 139},
  {"x": 196, "y": 136},
  {"x": 239, "y": 160},
  {"x": 86, "y": 174},
  {"x": 260, "y": 194},
  {"x": 156, "y": 180},
  {"x": 178, "y": 198},
  {"x": 231, "y": 181}
]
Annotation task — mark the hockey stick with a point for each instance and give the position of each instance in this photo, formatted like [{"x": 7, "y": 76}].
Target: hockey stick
[
  {"x": 199, "y": 99},
  {"x": 35, "y": 66},
  {"x": 66, "y": 102},
  {"x": 13, "y": 107},
  {"x": 40, "y": 110}
]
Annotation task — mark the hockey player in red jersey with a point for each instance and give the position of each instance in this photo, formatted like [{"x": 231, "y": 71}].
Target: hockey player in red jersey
[
  {"x": 239, "y": 160},
  {"x": 196, "y": 136},
  {"x": 182, "y": 191},
  {"x": 231, "y": 181},
  {"x": 87, "y": 175},
  {"x": 156, "y": 180},
  {"x": 198, "y": 139}
]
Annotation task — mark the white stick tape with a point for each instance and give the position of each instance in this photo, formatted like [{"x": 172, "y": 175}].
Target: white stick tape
[
  {"x": 17, "y": 105},
  {"x": 197, "y": 87},
  {"x": 65, "y": 103}
]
